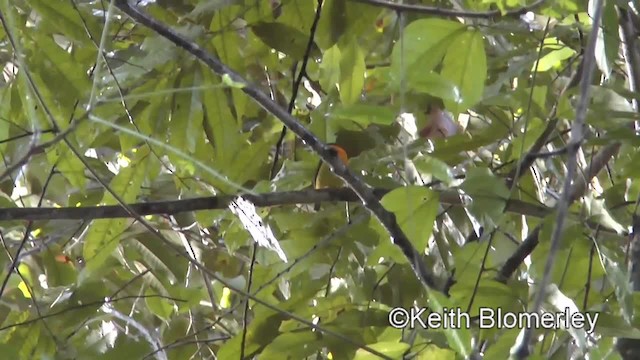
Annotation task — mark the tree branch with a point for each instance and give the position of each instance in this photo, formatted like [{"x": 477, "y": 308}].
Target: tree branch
[
  {"x": 285, "y": 198},
  {"x": 172, "y": 207}
]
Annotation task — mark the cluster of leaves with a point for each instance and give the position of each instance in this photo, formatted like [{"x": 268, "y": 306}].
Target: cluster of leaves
[{"x": 151, "y": 122}]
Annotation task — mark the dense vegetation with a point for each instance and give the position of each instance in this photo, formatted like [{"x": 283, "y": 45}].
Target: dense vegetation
[{"x": 154, "y": 206}]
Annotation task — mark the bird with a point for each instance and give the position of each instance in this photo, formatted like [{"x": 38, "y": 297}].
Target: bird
[
  {"x": 440, "y": 125},
  {"x": 324, "y": 177}
]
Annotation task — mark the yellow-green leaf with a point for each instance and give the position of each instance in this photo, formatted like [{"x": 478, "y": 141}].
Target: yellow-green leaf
[
  {"x": 465, "y": 64},
  {"x": 416, "y": 209},
  {"x": 352, "y": 69},
  {"x": 104, "y": 235}
]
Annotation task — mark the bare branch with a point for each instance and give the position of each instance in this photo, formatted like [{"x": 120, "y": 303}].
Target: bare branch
[
  {"x": 173, "y": 207},
  {"x": 285, "y": 198}
]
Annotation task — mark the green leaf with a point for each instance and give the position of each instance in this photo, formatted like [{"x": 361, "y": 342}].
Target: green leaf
[
  {"x": 91, "y": 294},
  {"x": 5, "y": 111},
  {"x": 61, "y": 16},
  {"x": 523, "y": 142},
  {"x": 619, "y": 279},
  {"x": 465, "y": 64},
  {"x": 104, "y": 235},
  {"x": 127, "y": 347},
  {"x": 435, "y": 85},
  {"x": 608, "y": 41},
  {"x": 9, "y": 350},
  {"x": 365, "y": 114},
  {"x": 227, "y": 43},
  {"x": 553, "y": 59},
  {"x": 333, "y": 23},
  {"x": 459, "y": 338},
  {"x": 614, "y": 326},
  {"x": 503, "y": 343},
  {"x": 67, "y": 163},
  {"x": 158, "y": 51},
  {"x": 191, "y": 297},
  {"x": 157, "y": 257},
  {"x": 225, "y": 130},
  {"x": 341, "y": 17},
  {"x": 292, "y": 345},
  {"x": 423, "y": 44},
  {"x": 161, "y": 307},
  {"x": 436, "y": 353},
  {"x": 394, "y": 350},
  {"x": 285, "y": 39},
  {"x": 428, "y": 165},
  {"x": 30, "y": 342},
  {"x": 330, "y": 68},
  {"x": 186, "y": 121},
  {"x": 55, "y": 66},
  {"x": 58, "y": 273},
  {"x": 416, "y": 209},
  {"x": 352, "y": 69},
  {"x": 248, "y": 161},
  {"x": 260, "y": 332},
  {"x": 448, "y": 149},
  {"x": 489, "y": 194},
  {"x": 152, "y": 119},
  {"x": 488, "y": 293},
  {"x": 151, "y": 260}
]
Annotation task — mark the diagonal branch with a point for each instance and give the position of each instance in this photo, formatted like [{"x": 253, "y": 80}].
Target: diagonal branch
[{"x": 364, "y": 192}]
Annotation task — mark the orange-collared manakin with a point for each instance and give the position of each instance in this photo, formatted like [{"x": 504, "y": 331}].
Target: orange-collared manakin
[{"x": 325, "y": 178}]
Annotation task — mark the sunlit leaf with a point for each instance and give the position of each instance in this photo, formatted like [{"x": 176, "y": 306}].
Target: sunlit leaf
[
  {"x": 465, "y": 64},
  {"x": 366, "y": 114},
  {"x": 415, "y": 209},
  {"x": 424, "y": 43},
  {"x": 104, "y": 235},
  {"x": 352, "y": 69}
]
